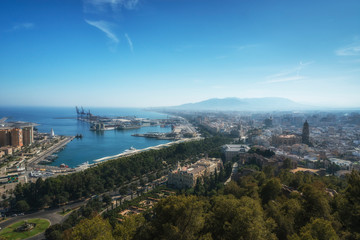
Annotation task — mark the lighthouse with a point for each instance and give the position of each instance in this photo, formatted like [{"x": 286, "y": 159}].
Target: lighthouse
[{"x": 52, "y": 134}]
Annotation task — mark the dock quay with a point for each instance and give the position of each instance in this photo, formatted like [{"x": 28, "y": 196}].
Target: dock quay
[
  {"x": 160, "y": 136},
  {"x": 103, "y": 123},
  {"x": 33, "y": 162}
]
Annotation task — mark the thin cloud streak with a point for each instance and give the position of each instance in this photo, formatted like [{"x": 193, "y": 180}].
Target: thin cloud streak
[
  {"x": 104, "y": 27},
  {"x": 26, "y": 25},
  {"x": 349, "y": 51},
  {"x": 296, "y": 70},
  {"x": 289, "y": 75},
  {"x": 239, "y": 48},
  {"x": 129, "y": 42},
  {"x": 100, "y": 6},
  {"x": 287, "y": 79}
]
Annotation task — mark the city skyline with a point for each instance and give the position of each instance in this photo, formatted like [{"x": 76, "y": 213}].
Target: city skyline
[{"x": 136, "y": 53}]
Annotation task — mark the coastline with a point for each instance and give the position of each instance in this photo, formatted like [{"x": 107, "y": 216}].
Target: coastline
[
  {"x": 64, "y": 123},
  {"x": 157, "y": 147},
  {"x": 59, "y": 170}
]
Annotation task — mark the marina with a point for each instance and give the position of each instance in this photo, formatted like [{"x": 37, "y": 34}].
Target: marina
[
  {"x": 69, "y": 144},
  {"x": 89, "y": 145}
]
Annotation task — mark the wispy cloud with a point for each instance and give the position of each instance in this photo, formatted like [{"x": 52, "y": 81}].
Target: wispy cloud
[
  {"x": 220, "y": 47},
  {"x": 93, "y": 6},
  {"x": 129, "y": 42},
  {"x": 239, "y": 48},
  {"x": 104, "y": 27},
  {"x": 353, "y": 50},
  {"x": 131, "y": 4},
  {"x": 109, "y": 10},
  {"x": 290, "y": 75},
  {"x": 285, "y": 79},
  {"x": 26, "y": 25},
  {"x": 302, "y": 66}
]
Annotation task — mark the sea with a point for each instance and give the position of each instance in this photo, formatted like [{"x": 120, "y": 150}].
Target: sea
[{"x": 94, "y": 145}]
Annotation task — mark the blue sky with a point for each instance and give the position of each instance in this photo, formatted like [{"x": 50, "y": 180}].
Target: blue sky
[{"x": 140, "y": 53}]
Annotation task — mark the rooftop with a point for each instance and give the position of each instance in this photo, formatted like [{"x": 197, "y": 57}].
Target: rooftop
[
  {"x": 11, "y": 125},
  {"x": 235, "y": 147}
]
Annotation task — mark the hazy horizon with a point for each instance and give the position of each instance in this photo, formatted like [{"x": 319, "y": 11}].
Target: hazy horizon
[
  {"x": 137, "y": 53},
  {"x": 310, "y": 106}
]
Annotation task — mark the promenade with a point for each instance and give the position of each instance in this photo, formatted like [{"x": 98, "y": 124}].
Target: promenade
[
  {"x": 133, "y": 152},
  {"x": 33, "y": 162}
]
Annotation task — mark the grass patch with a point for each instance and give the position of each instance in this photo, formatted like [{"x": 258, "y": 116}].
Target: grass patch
[{"x": 9, "y": 232}]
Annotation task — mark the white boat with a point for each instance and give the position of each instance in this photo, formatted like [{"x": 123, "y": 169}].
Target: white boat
[{"x": 130, "y": 150}]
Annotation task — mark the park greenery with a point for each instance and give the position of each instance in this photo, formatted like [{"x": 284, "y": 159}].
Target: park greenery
[
  {"x": 11, "y": 233},
  {"x": 266, "y": 204},
  {"x": 108, "y": 176},
  {"x": 262, "y": 203}
]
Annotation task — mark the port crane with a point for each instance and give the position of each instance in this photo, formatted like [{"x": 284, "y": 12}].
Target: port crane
[{"x": 81, "y": 114}]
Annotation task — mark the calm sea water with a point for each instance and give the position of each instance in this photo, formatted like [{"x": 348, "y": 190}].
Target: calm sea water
[{"x": 93, "y": 145}]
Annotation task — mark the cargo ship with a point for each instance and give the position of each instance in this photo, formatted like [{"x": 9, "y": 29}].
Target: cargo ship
[
  {"x": 102, "y": 127},
  {"x": 125, "y": 127}
]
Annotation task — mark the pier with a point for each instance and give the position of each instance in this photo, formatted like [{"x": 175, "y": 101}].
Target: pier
[{"x": 33, "y": 162}]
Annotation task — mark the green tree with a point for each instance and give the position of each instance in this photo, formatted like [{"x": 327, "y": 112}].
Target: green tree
[
  {"x": 22, "y": 206},
  {"x": 89, "y": 229},
  {"x": 317, "y": 229},
  {"x": 286, "y": 216},
  {"x": 54, "y": 232},
  {"x": 178, "y": 217},
  {"x": 243, "y": 218},
  {"x": 333, "y": 168},
  {"x": 269, "y": 171},
  {"x": 287, "y": 164},
  {"x": 234, "y": 189},
  {"x": 106, "y": 199},
  {"x": 270, "y": 190},
  {"x": 348, "y": 204},
  {"x": 316, "y": 203},
  {"x": 128, "y": 228}
]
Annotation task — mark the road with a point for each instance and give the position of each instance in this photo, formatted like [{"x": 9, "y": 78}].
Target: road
[
  {"x": 235, "y": 168},
  {"x": 32, "y": 163},
  {"x": 53, "y": 216},
  {"x": 49, "y": 214}
]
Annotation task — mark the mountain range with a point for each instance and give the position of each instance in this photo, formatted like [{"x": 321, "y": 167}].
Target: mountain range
[{"x": 243, "y": 104}]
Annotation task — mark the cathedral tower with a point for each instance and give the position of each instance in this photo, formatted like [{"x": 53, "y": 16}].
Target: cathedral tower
[{"x": 305, "y": 137}]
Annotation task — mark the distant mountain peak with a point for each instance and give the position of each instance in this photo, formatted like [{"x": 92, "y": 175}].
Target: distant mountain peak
[{"x": 243, "y": 104}]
